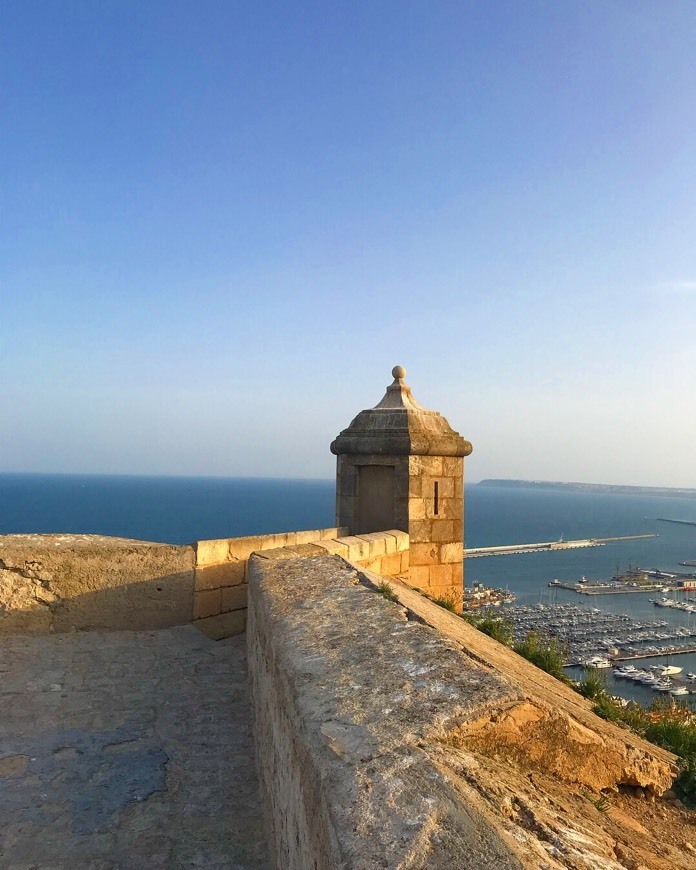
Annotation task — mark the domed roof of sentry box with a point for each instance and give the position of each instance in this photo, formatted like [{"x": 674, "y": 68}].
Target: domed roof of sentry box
[{"x": 400, "y": 426}]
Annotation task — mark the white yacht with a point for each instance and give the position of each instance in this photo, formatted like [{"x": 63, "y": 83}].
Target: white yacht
[
  {"x": 597, "y": 662},
  {"x": 670, "y": 670}
]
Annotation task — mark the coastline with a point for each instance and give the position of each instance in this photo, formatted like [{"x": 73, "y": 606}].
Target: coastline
[{"x": 605, "y": 488}]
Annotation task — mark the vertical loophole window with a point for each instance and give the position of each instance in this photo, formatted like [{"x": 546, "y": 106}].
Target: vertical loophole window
[{"x": 436, "y": 498}]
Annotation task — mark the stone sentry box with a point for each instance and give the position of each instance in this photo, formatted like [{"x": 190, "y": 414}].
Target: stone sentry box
[{"x": 401, "y": 466}]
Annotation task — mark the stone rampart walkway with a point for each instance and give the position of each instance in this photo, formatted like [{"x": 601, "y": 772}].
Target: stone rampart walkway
[{"x": 127, "y": 751}]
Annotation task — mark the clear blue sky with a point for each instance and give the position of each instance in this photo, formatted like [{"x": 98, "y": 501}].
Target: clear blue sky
[{"x": 223, "y": 223}]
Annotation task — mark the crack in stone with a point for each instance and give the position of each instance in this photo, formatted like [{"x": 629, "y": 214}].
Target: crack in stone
[{"x": 23, "y": 572}]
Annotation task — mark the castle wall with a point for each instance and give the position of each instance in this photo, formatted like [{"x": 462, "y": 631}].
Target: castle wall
[
  {"x": 388, "y": 733},
  {"x": 428, "y": 504},
  {"x": 222, "y": 577},
  {"x": 436, "y": 525},
  {"x": 393, "y": 734},
  {"x": 57, "y": 583}
]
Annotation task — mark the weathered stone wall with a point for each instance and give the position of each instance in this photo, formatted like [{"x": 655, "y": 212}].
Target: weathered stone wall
[
  {"x": 56, "y": 583},
  {"x": 384, "y": 741},
  {"x": 220, "y": 595},
  {"x": 385, "y": 553},
  {"x": 436, "y": 525}
]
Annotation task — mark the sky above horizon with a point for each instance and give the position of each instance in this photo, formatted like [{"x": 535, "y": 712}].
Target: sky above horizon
[{"x": 224, "y": 223}]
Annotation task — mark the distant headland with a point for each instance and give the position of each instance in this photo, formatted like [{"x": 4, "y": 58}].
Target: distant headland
[{"x": 592, "y": 487}]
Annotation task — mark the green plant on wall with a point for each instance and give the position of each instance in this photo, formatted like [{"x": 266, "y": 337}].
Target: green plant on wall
[
  {"x": 387, "y": 590},
  {"x": 544, "y": 651}
]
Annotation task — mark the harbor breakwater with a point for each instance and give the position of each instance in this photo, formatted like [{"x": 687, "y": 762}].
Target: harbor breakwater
[{"x": 518, "y": 549}]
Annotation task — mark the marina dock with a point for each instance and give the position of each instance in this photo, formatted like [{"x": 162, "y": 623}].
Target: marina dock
[
  {"x": 589, "y": 632},
  {"x": 654, "y": 655},
  {"x": 600, "y": 589},
  {"x": 517, "y": 549}
]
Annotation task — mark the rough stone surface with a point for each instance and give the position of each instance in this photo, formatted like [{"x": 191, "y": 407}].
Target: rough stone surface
[
  {"x": 342, "y": 727},
  {"x": 551, "y": 727},
  {"x": 386, "y": 742},
  {"x": 221, "y": 574},
  {"x": 400, "y": 426},
  {"x": 127, "y": 751},
  {"x": 64, "y": 582},
  {"x": 426, "y": 467}
]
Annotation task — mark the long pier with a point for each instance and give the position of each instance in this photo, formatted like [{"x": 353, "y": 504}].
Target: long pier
[
  {"x": 654, "y": 655},
  {"x": 516, "y": 549},
  {"x": 622, "y": 589},
  {"x": 678, "y": 522}
]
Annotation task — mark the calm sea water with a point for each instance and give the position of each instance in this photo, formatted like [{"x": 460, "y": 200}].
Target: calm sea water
[
  {"x": 174, "y": 510},
  {"x": 181, "y": 510},
  {"x": 500, "y": 515}
]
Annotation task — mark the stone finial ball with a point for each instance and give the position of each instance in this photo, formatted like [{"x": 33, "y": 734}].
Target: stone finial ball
[{"x": 398, "y": 372}]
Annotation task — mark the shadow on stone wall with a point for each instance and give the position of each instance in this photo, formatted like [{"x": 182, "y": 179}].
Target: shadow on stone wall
[
  {"x": 159, "y": 602},
  {"x": 60, "y": 583}
]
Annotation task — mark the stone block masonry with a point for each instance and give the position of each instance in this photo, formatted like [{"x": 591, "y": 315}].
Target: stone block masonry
[
  {"x": 221, "y": 577},
  {"x": 399, "y": 465},
  {"x": 59, "y": 583},
  {"x": 222, "y": 568},
  {"x": 385, "y": 553},
  {"x": 396, "y": 735}
]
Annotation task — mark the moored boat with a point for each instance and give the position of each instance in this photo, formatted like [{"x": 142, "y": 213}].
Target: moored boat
[
  {"x": 597, "y": 662},
  {"x": 670, "y": 670}
]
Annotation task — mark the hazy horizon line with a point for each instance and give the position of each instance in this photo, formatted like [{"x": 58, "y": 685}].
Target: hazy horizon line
[{"x": 185, "y": 476}]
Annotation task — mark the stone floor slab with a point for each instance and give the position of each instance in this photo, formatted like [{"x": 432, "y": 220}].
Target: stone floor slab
[{"x": 127, "y": 750}]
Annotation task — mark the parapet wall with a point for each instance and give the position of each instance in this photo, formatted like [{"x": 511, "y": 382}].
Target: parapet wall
[
  {"x": 222, "y": 568},
  {"x": 396, "y": 735},
  {"x": 222, "y": 579},
  {"x": 57, "y": 583}
]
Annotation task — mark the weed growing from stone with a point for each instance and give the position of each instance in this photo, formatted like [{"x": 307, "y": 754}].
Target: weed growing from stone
[
  {"x": 448, "y": 603},
  {"x": 386, "y": 589},
  {"x": 593, "y": 685},
  {"x": 545, "y": 652},
  {"x": 601, "y": 803},
  {"x": 497, "y": 628}
]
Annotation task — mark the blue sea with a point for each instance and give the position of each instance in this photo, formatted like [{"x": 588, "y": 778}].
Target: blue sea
[{"x": 181, "y": 510}]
